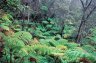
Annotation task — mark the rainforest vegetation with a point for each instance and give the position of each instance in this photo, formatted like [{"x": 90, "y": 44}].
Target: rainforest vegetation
[{"x": 47, "y": 31}]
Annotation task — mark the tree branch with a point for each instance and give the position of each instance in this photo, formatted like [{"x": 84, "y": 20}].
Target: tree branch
[
  {"x": 90, "y": 12},
  {"x": 82, "y": 3},
  {"x": 88, "y": 4}
]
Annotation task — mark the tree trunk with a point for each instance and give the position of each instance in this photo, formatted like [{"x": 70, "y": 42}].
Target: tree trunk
[{"x": 80, "y": 30}]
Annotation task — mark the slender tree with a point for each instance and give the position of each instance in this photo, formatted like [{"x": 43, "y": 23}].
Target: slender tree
[{"x": 88, "y": 7}]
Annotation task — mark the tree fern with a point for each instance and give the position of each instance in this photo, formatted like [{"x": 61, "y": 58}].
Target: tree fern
[
  {"x": 90, "y": 49},
  {"x": 26, "y": 37},
  {"x": 74, "y": 55},
  {"x": 13, "y": 43}
]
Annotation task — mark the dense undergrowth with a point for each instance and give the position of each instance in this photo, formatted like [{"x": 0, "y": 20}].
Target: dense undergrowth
[
  {"x": 23, "y": 41},
  {"x": 21, "y": 47}
]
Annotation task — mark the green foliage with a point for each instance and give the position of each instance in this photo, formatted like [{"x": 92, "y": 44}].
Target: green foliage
[
  {"x": 91, "y": 38},
  {"x": 23, "y": 35},
  {"x": 90, "y": 49},
  {"x": 72, "y": 45},
  {"x": 73, "y": 55},
  {"x": 41, "y": 39},
  {"x": 6, "y": 21},
  {"x": 69, "y": 30},
  {"x": 18, "y": 40},
  {"x": 44, "y": 8},
  {"x": 13, "y": 43},
  {"x": 46, "y": 51},
  {"x": 4, "y": 27},
  {"x": 13, "y": 2},
  {"x": 93, "y": 35}
]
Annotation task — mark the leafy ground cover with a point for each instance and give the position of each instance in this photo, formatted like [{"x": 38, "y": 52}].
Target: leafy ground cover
[
  {"x": 42, "y": 47},
  {"x": 41, "y": 40}
]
